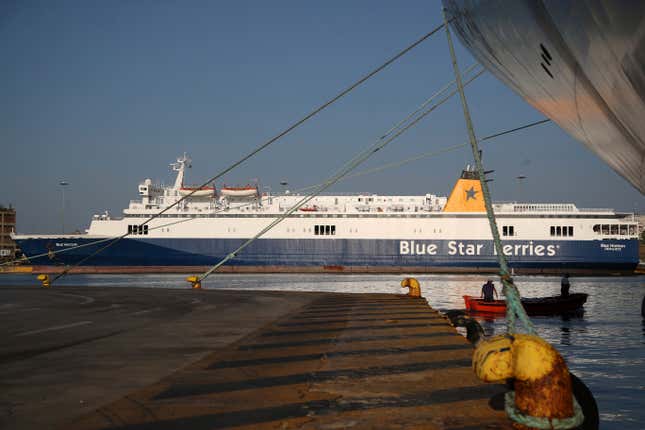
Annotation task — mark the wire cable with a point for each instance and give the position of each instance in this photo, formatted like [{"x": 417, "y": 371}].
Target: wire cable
[
  {"x": 383, "y": 167},
  {"x": 308, "y": 116},
  {"x": 272, "y": 140},
  {"x": 359, "y": 159},
  {"x": 437, "y": 152}
]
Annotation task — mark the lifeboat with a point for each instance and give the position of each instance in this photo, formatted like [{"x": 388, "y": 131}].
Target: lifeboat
[
  {"x": 534, "y": 306},
  {"x": 247, "y": 191},
  {"x": 197, "y": 191},
  {"x": 309, "y": 208}
]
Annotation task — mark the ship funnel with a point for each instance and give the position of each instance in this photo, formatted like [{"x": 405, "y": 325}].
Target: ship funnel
[{"x": 466, "y": 196}]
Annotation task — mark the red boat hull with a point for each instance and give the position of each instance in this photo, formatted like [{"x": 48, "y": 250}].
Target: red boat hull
[{"x": 533, "y": 306}]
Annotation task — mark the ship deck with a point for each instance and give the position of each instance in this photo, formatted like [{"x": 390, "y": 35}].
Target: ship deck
[{"x": 98, "y": 358}]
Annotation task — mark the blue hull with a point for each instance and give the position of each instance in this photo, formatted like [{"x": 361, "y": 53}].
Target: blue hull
[{"x": 606, "y": 254}]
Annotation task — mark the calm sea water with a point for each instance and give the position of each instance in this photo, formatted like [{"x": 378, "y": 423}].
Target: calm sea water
[{"x": 604, "y": 346}]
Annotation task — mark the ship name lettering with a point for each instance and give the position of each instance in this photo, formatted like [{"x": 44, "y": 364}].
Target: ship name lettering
[
  {"x": 413, "y": 248},
  {"x": 527, "y": 249},
  {"x": 459, "y": 248},
  {"x": 612, "y": 247}
]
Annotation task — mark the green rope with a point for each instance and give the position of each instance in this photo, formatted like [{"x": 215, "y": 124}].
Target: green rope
[
  {"x": 542, "y": 422},
  {"x": 343, "y": 172},
  {"x": 514, "y": 309},
  {"x": 274, "y": 139}
]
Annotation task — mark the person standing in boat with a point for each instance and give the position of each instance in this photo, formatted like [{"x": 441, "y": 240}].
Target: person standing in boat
[
  {"x": 565, "y": 285},
  {"x": 488, "y": 291}
]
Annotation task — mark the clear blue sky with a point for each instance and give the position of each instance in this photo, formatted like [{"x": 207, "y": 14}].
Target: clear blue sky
[{"x": 104, "y": 94}]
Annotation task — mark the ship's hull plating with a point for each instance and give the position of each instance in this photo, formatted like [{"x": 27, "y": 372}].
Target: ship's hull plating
[
  {"x": 581, "y": 63},
  {"x": 342, "y": 254}
]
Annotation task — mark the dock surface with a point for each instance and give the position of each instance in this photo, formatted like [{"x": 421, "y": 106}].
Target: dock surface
[{"x": 134, "y": 358}]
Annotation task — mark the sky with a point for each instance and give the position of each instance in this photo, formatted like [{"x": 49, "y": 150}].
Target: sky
[{"x": 105, "y": 94}]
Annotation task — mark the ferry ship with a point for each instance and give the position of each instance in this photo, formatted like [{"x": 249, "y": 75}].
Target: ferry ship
[{"x": 341, "y": 233}]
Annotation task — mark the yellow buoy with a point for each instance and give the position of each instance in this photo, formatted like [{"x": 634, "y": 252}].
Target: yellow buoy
[
  {"x": 44, "y": 279},
  {"x": 413, "y": 285},
  {"x": 195, "y": 282}
]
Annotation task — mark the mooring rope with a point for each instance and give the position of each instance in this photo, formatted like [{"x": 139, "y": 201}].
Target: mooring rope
[
  {"x": 513, "y": 303},
  {"x": 405, "y": 120},
  {"x": 269, "y": 142},
  {"x": 541, "y": 422},
  {"x": 433, "y": 153},
  {"x": 434, "y": 96},
  {"x": 514, "y": 308},
  {"x": 357, "y": 160},
  {"x": 372, "y": 170},
  {"x": 307, "y": 117},
  {"x": 117, "y": 238}
]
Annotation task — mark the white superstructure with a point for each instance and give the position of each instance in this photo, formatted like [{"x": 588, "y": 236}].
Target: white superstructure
[{"x": 352, "y": 216}]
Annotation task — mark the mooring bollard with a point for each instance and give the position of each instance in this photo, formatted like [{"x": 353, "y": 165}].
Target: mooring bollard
[
  {"x": 44, "y": 279},
  {"x": 474, "y": 331},
  {"x": 543, "y": 396},
  {"x": 195, "y": 282},
  {"x": 413, "y": 285}
]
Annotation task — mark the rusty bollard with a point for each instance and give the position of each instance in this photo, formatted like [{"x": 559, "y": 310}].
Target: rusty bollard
[{"x": 542, "y": 382}]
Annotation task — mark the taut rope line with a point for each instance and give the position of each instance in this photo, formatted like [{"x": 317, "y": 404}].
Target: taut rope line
[
  {"x": 270, "y": 141},
  {"x": 357, "y": 160},
  {"x": 513, "y": 306},
  {"x": 303, "y": 189},
  {"x": 528, "y": 379}
]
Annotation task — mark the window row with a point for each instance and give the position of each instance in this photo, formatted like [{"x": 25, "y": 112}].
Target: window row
[
  {"x": 325, "y": 230},
  {"x": 615, "y": 229},
  {"x": 566, "y": 230},
  {"x": 137, "y": 229},
  {"x": 508, "y": 230}
]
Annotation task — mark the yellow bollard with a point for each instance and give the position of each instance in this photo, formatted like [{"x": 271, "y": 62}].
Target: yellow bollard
[
  {"x": 542, "y": 380},
  {"x": 195, "y": 282},
  {"x": 45, "y": 280},
  {"x": 413, "y": 285}
]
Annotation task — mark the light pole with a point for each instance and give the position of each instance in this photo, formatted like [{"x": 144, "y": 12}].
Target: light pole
[
  {"x": 520, "y": 178},
  {"x": 63, "y": 184}
]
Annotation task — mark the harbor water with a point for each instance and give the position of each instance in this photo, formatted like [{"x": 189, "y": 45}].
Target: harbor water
[{"x": 604, "y": 346}]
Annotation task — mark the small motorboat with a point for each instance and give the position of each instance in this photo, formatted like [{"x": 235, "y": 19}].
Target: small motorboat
[{"x": 534, "y": 306}]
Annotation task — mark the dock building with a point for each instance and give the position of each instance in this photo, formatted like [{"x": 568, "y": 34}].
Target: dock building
[{"x": 7, "y": 226}]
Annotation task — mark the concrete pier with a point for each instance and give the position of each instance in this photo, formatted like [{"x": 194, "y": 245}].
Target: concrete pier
[{"x": 133, "y": 358}]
